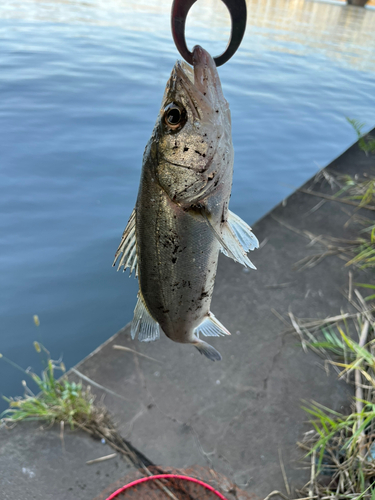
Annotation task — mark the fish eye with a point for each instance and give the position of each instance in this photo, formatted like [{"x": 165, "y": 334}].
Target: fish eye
[{"x": 174, "y": 116}]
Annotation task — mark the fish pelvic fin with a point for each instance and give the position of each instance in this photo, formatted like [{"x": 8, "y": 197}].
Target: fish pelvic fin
[
  {"x": 207, "y": 349},
  {"x": 236, "y": 239},
  {"x": 143, "y": 324},
  {"x": 128, "y": 247},
  {"x": 211, "y": 327}
]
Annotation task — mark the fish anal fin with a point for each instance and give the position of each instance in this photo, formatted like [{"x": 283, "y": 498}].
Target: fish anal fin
[
  {"x": 128, "y": 247},
  {"x": 143, "y": 324},
  {"x": 207, "y": 349},
  {"x": 211, "y": 327}
]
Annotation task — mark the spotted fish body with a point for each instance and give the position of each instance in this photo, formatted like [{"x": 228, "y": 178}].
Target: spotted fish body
[{"x": 181, "y": 220}]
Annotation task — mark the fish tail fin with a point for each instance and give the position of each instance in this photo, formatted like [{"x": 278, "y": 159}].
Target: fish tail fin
[{"x": 207, "y": 349}]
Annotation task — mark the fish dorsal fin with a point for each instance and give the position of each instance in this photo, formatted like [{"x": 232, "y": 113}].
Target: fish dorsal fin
[
  {"x": 211, "y": 327},
  {"x": 128, "y": 248},
  {"x": 230, "y": 243},
  {"x": 143, "y": 323}
]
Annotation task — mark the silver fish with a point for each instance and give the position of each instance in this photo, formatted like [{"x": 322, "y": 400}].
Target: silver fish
[{"x": 181, "y": 220}]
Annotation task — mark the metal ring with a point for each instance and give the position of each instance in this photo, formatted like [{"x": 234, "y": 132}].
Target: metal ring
[{"x": 237, "y": 11}]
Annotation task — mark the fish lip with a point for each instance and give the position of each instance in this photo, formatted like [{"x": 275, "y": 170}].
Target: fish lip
[
  {"x": 206, "y": 77},
  {"x": 202, "y": 79},
  {"x": 201, "y": 56}
]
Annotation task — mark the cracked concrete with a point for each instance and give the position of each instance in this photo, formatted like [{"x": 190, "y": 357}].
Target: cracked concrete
[
  {"x": 235, "y": 416},
  {"x": 36, "y": 464}
]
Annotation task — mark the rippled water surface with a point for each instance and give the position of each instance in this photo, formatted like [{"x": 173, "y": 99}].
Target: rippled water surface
[{"x": 80, "y": 87}]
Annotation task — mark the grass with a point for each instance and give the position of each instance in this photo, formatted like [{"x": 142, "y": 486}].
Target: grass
[
  {"x": 364, "y": 252},
  {"x": 368, "y": 286},
  {"x": 338, "y": 445},
  {"x": 357, "y": 252},
  {"x": 360, "y": 250},
  {"x": 358, "y": 189},
  {"x": 62, "y": 401},
  {"x": 361, "y": 190},
  {"x": 59, "y": 399},
  {"x": 366, "y": 143},
  {"x": 341, "y": 446}
]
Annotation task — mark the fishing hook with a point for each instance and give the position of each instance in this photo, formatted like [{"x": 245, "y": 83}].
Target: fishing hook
[{"x": 237, "y": 11}]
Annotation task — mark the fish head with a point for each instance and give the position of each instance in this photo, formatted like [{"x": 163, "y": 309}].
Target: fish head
[{"x": 193, "y": 132}]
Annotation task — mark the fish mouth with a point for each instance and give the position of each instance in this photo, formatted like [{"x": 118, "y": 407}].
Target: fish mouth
[
  {"x": 203, "y": 77},
  {"x": 206, "y": 77},
  {"x": 205, "y": 70}
]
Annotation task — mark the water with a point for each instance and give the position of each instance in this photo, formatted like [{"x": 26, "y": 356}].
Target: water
[{"x": 80, "y": 87}]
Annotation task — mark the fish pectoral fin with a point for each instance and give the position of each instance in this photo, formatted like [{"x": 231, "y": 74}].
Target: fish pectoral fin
[
  {"x": 128, "y": 247},
  {"x": 230, "y": 244},
  {"x": 243, "y": 232},
  {"x": 207, "y": 349},
  {"x": 143, "y": 323},
  {"x": 211, "y": 327},
  {"x": 237, "y": 240}
]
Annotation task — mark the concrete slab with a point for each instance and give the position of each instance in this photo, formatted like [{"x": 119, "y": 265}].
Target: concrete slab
[
  {"x": 35, "y": 465},
  {"x": 235, "y": 416}
]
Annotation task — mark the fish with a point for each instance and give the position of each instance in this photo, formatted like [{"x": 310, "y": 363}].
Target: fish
[{"x": 181, "y": 220}]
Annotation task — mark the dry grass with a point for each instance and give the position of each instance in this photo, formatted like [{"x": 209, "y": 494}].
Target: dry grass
[
  {"x": 359, "y": 251},
  {"x": 341, "y": 447}
]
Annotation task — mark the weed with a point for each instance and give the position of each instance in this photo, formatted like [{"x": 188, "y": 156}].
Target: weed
[
  {"x": 342, "y": 446},
  {"x": 360, "y": 250},
  {"x": 358, "y": 189},
  {"x": 63, "y": 401},
  {"x": 367, "y": 144},
  {"x": 365, "y": 251},
  {"x": 368, "y": 286},
  {"x": 58, "y": 400}
]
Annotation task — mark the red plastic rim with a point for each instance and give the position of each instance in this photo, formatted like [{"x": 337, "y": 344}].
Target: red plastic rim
[{"x": 165, "y": 476}]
